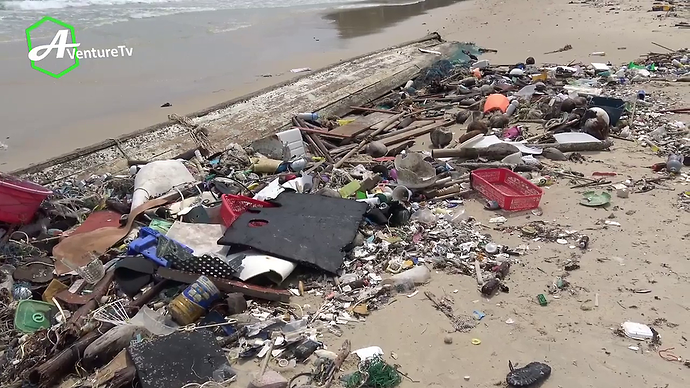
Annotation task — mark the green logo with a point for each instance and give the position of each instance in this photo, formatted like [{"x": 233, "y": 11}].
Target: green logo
[{"x": 59, "y": 43}]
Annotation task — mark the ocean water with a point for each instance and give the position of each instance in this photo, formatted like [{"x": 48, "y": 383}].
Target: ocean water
[{"x": 17, "y": 15}]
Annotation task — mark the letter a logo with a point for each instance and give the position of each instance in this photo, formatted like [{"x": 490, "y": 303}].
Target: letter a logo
[{"x": 59, "y": 42}]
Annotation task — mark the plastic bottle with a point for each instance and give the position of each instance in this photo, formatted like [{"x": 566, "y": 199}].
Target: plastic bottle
[
  {"x": 458, "y": 215},
  {"x": 424, "y": 216},
  {"x": 512, "y": 107},
  {"x": 674, "y": 163},
  {"x": 308, "y": 116},
  {"x": 417, "y": 275}
]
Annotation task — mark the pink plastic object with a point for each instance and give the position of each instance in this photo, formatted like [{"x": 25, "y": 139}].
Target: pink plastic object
[
  {"x": 510, "y": 190},
  {"x": 19, "y": 199},
  {"x": 234, "y": 205}
]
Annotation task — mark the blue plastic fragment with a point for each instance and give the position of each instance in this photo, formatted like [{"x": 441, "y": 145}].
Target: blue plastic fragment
[
  {"x": 147, "y": 244},
  {"x": 478, "y": 314}
]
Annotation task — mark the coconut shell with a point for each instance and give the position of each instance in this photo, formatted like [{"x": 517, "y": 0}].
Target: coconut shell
[
  {"x": 441, "y": 137},
  {"x": 499, "y": 121},
  {"x": 478, "y": 126},
  {"x": 553, "y": 154},
  {"x": 376, "y": 149},
  {"x": 568, "y": 105},
  {"x": 580, "y": 101},
  {"x": 462, "y": 116}
]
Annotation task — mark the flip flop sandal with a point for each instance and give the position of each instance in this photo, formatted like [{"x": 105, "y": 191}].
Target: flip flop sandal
[{"x": 529, "y": 375}]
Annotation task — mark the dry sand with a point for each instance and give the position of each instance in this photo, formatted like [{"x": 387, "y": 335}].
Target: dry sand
[{"x": 650, "y": 250}]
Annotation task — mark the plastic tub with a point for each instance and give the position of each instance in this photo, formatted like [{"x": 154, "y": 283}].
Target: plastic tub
[
  {"x": 614, "y": 107},
  {"x": 19, "y": 199},
  {"x": 234, "y": 205},
  {"x": 510, "y": 190}
]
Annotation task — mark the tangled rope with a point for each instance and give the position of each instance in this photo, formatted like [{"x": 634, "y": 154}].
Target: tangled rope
[{"x": 374, "y": 373}]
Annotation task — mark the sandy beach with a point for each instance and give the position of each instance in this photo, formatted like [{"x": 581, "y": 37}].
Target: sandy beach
[{"x": 648, "y": 251}]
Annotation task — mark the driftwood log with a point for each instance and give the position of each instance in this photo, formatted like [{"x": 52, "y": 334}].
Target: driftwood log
[{"x": 499, "y": 153}]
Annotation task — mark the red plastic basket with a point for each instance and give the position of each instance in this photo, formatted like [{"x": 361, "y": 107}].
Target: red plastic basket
[
  {"x": 19, "y": 199},
  {"x": 234, "y": 205},
  {"x": 510, "y": 190}
]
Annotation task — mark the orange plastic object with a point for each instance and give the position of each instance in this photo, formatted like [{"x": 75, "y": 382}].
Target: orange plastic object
[
  {"x": 496, "y": 101},
  {"x": 477, "y": 73}
]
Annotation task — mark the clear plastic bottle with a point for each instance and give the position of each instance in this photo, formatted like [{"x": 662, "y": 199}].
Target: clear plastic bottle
[
  {"x": 417, "y": 275},
  {"x": 674, "y": 163}
]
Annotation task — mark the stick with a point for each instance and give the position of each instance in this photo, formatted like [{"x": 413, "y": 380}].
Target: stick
[
  {"x": 322, "y": 147},
  {"x": 264, "y": 362},
  {"x": 324, "y": 133},
  {"x": 664, "y": 47},
  {"x": 478, "y": 272},
  {"x": 366, "y": 140},
  {"x": 363, "y": 109},
  {"x": 342, "y": 355}
]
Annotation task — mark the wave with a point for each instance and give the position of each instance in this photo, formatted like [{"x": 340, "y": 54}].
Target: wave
[
  {"x": 144, "y": 14},
  {"x": 39, "y": 5},
  {"x": 373, "y": 5}
]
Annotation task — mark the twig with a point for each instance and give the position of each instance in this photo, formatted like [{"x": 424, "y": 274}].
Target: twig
[{"x": 663, "y": 47}]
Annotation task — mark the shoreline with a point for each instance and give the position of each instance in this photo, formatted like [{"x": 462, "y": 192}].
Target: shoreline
[
  {"x": 509, "y": 28},
  {"x": 317, "y": 45}
]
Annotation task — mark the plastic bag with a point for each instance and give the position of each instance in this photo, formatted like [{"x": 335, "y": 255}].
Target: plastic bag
[{"x": 158, "y": 178}]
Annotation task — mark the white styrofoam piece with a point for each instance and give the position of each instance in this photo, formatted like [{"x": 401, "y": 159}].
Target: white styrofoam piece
[
  {"x": 293, "y": 139},
  {"x": 574, "y": 137},
  {"x": 493, "y": 139}
]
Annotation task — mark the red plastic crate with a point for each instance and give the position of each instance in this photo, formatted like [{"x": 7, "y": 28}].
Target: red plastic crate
[
  {"x": 510, "y": 190},
  {"x": 234, "y": 205},
  {"x": 20, "y": 199}
]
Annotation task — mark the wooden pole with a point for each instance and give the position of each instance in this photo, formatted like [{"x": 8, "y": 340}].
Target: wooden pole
[{"x": 470, "y": 153}]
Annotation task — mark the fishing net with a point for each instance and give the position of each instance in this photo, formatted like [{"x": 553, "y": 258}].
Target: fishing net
[{"x": 374, "y": 373}]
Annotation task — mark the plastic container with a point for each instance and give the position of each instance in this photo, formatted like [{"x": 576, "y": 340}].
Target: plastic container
[
  {"x": 193, "y": 302},
  {"x": 20, "y": 199},
  {"x": 510, "y": 190},
  {"x": 614, "y": 107},
  {"x": 674, "y": 163},
  {"x": 32, "y": 315},
  {"x": 308, "y": 116},
  {"x": 234, "y": 205},
  {"x": 637, "y": 331},
  {"x": 91, "y": 272}
]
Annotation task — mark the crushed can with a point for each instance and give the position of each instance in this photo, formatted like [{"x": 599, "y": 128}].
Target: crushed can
[{"x": 193, "y": 302}]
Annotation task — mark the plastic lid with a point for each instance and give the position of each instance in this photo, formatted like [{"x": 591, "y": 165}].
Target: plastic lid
[{"x": 32, "y": 315}]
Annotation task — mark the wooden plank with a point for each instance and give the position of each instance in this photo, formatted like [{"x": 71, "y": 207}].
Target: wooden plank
[
  {"x": 331, "y": 91},
  {"x": 414, "y": 133},
  {"x": 360, "y": 125}
]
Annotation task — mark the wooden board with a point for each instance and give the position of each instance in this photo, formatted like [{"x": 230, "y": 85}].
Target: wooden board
[
  {"x": 360, "y": 124},
  {"x": 413, "y": 133}
]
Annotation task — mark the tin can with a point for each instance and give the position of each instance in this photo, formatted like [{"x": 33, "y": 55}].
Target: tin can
[{"x": 193, "y": 302}]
